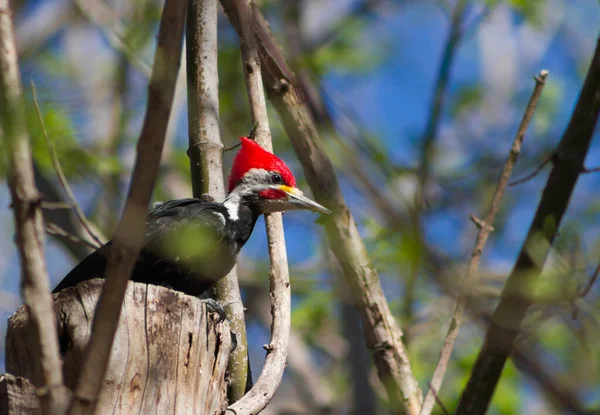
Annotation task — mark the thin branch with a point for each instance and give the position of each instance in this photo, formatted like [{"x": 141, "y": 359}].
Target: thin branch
[
  {"x": 560, "y": 391},
  {"x": 61, "y": 175},
  {"x": 563, "y": 394},
  {"x": 270, "y": 377},
  {"x": 427, "y": 152},
  {"x": 380, "y": 328},
  {"x": 312, "y": 385},
  {"x": 537, "y": 171},
  {"x": 100, "y": 14},
  {"x": 130, "y": 232},
  {"x": 29, "y": 223},
  {"x": 41, "y": 25},
  {"x": 231, "y": 148},
  {"x": 517, "y": 295},
  {"x": 53, "y": 229},
  {"x": 206, "y": 163},
  {"x": 586, "y": 290},
  {"x": 55, "y": 205},
  {"x": 437, "y": 399},
  {"x": 358, "y": 10},
  {"x": 66, "y": 219},
  {"x": 485, "y": 228},
  {"x": 437, "y": 103},
  {"x": 363, "y": 397}
]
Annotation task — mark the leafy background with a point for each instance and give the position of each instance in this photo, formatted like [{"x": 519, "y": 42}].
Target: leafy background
[{"x": 374, "y": 67}]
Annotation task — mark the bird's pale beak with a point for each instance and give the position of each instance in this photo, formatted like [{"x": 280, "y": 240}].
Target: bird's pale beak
[{"x": 299, "y": 201}]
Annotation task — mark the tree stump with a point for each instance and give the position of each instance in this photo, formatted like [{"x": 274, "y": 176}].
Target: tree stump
[{"x": 169, "y": 354}]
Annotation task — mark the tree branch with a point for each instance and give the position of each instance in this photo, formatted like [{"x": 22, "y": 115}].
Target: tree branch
[
  {"x": 309, "y": 377},
  {"x": 62, "y": 178},
  {"x": 382, "y": 334},
  {"x": 66, "y": 220},
  {"x": 517, "y": 294},
  {"x": 130, "y": 233},
  {"x": 270, "y": 377},
  {"x": 206, "y": 162},
  {"x": 441, "y": 86},
  {"x": 586, "y": 290},
  {"x": 100, "y": 14},
  {"x": 29, "y": 223},
  {"x": 53, "y": 229},
  {"x": 484, "y": 231},
  {"x": 47, "y": 19}
]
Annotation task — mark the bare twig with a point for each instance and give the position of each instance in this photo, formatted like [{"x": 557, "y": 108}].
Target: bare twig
[
  {"x": 592, "y": 170},
  {"x": 66, "y": 219},
  {"x": 38, "y": 28},
  {"x": 485, "y": 228},
  {"x": 380, "y": 328},
  {"x": 206, "y": 162},
  {"x": 357, "y": 11},
  {"x": 437, "y": 103},
  {"x": 55, "y": 205},
  {"x": 263, "y": 390},
  {"x": 517, "y": 294},
  {"x": 312, "y": 386},
  {"x": 231, "y": 148},
  {"x": 29, "y": 224},
  {"x": 100, "y": 14},
  {"x": 427, "y": 150},
  {"x": 61, "y": 175},
  {"x": 586, "y": 290},
  {"x": 130, "y": 233},
  {"x": 562, "y": 392},
  {"x": 437, "y": 398},
  {"x": 537, "y": 171},
  {"x": 53, "y": 229},
  {"x": 363, "y": 397}
]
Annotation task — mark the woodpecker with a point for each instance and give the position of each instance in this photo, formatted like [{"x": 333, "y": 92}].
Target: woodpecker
[{"x": 192, "y": 243}]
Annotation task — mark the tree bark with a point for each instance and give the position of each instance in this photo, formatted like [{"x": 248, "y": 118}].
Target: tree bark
[
  {"x": 261, "y": 393},
  {"x": 206, "y": 163},
  {"x": 130, "y": 234},
  {"x": 169, "y": 354},
  {"x": 382, "y": 333},
  {"x": 17, "y": 396},
  {"x": 29, "y": 223}
]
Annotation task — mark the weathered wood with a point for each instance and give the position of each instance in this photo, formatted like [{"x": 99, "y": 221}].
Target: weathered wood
[
  {"x": 169, "y": 355},
  {"x": 17, "y": 396}
]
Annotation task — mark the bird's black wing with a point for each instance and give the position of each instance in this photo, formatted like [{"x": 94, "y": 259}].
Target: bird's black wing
[
  {"x": 172, "y": 255},
  {"x": 93, "y": 266}
]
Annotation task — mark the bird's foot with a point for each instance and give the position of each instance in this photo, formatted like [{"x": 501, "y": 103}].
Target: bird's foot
[
  {"x": 205, "y": 197},
  {"x": 213, "y": 306}
]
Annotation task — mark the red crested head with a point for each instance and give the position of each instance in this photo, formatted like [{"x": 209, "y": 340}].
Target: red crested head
[{"x": 252, "y": 156}]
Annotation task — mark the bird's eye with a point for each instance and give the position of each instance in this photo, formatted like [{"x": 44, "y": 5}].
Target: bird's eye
[{"x": 276, "y": 178}]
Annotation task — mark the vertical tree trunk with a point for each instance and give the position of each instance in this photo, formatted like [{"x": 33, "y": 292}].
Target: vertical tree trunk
[{"x": 169, "y": 355}]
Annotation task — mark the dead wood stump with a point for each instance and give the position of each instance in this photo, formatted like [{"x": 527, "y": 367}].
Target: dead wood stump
[{"x": 169, "y": 355}]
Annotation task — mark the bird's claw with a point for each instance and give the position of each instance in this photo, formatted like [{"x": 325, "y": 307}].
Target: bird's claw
[
  {"x": 205, "y": 197},
  {"x": 213, "y": 306}
]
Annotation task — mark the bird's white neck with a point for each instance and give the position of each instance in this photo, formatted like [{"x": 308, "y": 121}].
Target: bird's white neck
[{"x": 232, "y": 204}]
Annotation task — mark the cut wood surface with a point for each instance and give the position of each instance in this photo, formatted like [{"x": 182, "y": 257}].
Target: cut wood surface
[
  {"x": 169, "y": 355},
  {"x": 17, "y": 396}
]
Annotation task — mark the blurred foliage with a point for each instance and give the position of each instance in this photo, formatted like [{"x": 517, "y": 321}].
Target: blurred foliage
[{"x": 355, "y": 57}]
